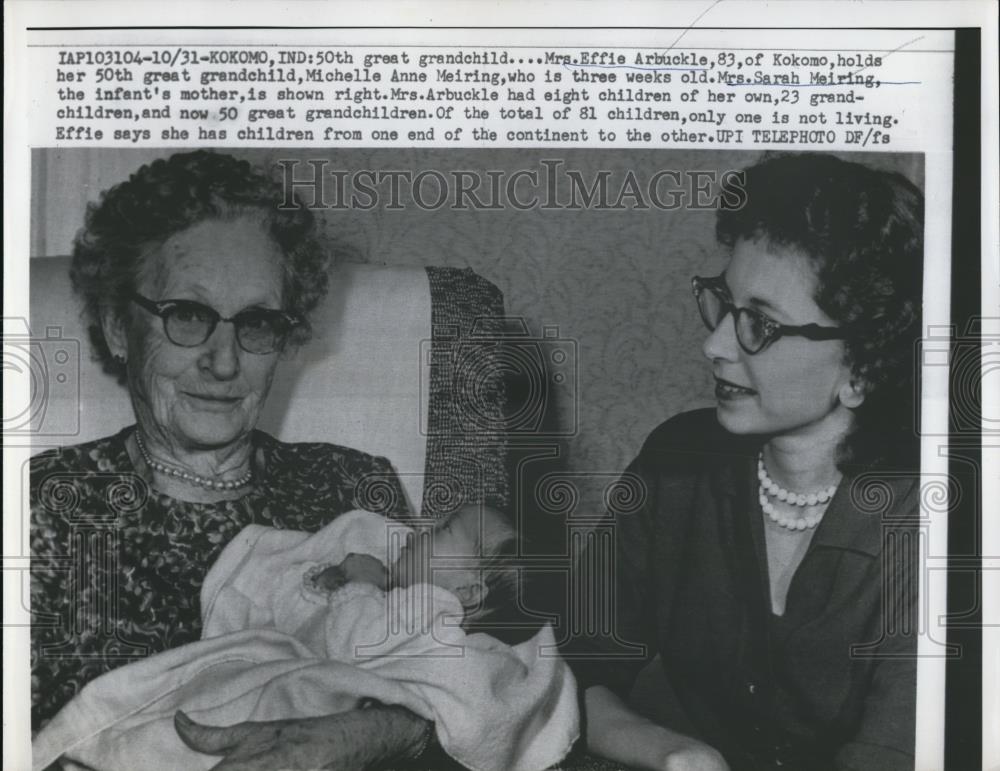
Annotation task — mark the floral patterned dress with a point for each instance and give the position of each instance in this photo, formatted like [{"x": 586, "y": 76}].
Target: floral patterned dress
[{"x": 117, "y": 568}]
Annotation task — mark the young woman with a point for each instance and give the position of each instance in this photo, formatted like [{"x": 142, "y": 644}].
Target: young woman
[{"x": 764, "y": 564}]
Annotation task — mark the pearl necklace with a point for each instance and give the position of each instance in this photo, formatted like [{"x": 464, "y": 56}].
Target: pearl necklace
[
  {"x": 190, "y": 476},
  {"x": 769, "y": 487}
]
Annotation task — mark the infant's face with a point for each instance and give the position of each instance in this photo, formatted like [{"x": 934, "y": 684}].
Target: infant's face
[{"x": 457, "y": 537}]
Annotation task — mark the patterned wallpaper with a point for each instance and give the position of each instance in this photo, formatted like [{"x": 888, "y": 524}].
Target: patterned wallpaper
[
  {"x": 613, "y": 283},
  {"x": 616, "y": 283}
]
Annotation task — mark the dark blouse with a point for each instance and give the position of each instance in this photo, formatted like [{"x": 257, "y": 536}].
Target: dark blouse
[
  {"x": 117, "y": 568},
  {"x": 830, "y": 684}
]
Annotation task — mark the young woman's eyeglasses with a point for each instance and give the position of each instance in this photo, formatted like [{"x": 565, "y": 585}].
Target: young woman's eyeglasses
[
  {"x": 188, "y": 323},
  {"x": 754, "y": 330}
]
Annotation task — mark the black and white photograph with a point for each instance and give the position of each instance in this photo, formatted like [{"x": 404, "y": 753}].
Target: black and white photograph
[
  {"x": 403, "y": 449},
  {"x": 685, "y": 380}
]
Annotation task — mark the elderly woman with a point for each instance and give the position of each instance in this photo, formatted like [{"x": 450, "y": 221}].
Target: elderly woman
[
  {"x": 754, "y": 560},
  {"x": 195, "y": 282}
]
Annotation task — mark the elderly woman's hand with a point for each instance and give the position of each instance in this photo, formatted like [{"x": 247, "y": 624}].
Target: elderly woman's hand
[{"x": 347, "y": 741}]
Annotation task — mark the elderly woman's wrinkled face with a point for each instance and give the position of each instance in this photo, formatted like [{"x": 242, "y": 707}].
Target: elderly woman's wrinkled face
[
  {"x": 209, "y": 395},
  {"x": 794, "y": 386}
]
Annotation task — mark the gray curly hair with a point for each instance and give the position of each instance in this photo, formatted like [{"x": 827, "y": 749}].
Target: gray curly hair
[{"x": 168, "y": 196}]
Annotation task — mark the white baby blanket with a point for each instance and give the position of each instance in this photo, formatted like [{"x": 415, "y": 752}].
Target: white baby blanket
[{"x": 275, "y": 647}]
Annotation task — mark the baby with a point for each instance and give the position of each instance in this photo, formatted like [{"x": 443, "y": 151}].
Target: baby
[
  {"x": 306, "y": 624},
  {"x": 466, "y": 553}
]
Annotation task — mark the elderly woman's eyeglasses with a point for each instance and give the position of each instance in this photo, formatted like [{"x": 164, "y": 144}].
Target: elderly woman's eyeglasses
[
  {"x": 754, "y": 330},
  {"x": 188, "y": 323}
]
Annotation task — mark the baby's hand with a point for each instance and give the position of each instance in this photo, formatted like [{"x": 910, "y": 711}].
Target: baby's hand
[
  {"x": 355, "y": 567},
  {"x": 330, "y": 579},
  {"x": 364, "y": 568}
]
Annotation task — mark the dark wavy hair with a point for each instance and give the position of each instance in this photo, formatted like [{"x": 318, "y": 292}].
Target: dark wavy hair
[
  {"x": 862, "y": 230},
  {"x": 168, "y": 196}
]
